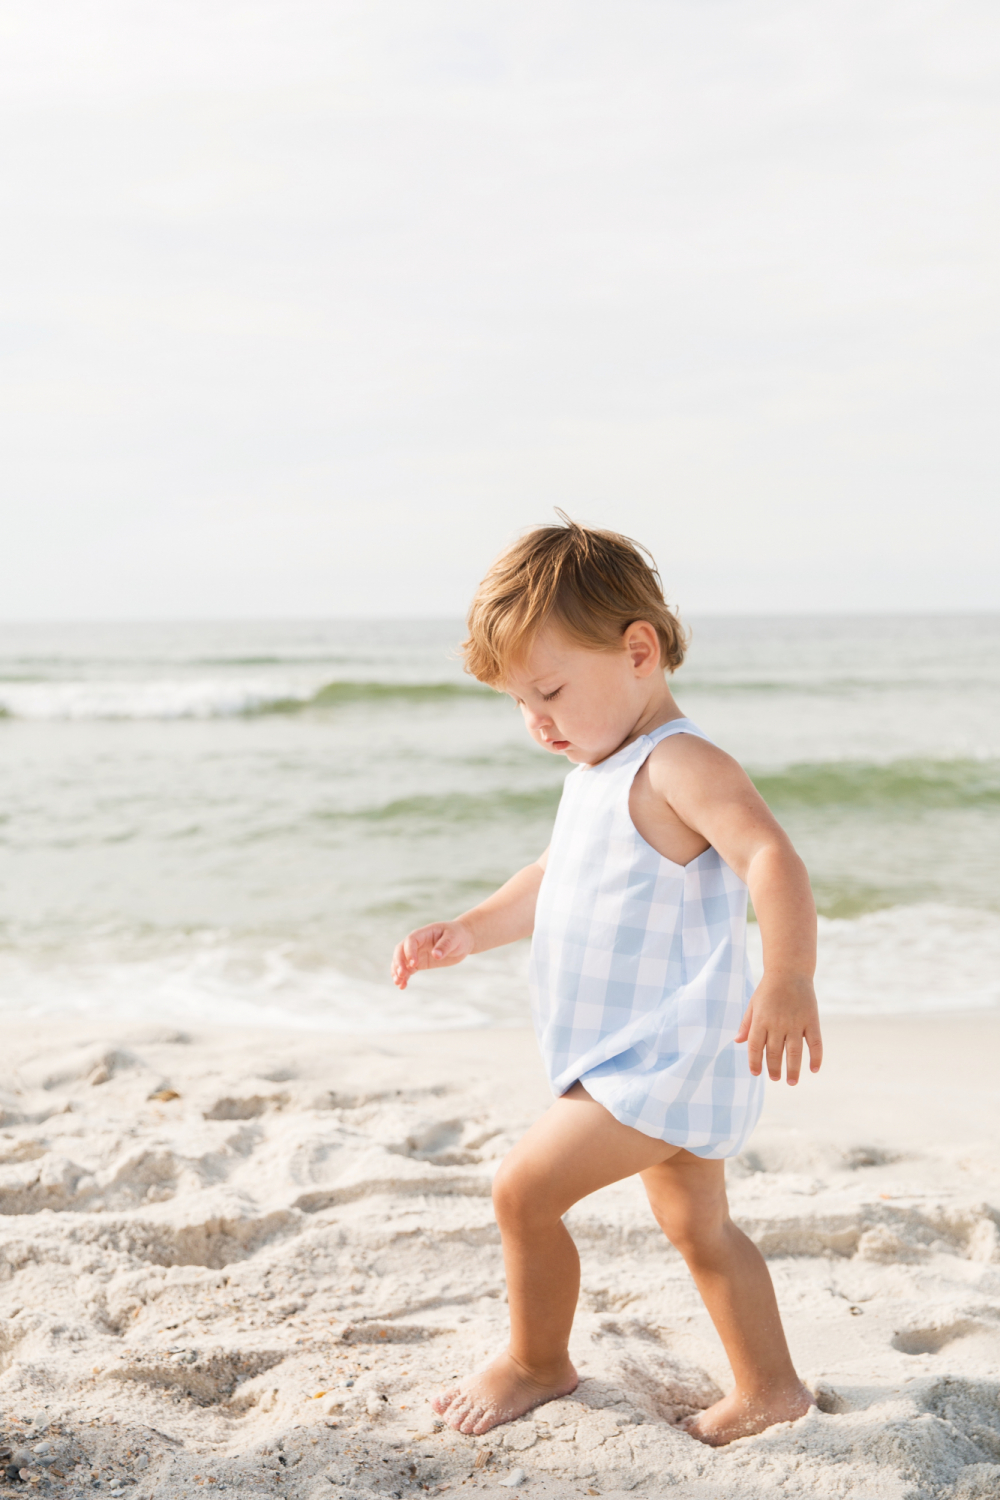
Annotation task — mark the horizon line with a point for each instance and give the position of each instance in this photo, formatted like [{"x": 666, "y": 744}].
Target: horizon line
[{"x": 409, "y": 618}]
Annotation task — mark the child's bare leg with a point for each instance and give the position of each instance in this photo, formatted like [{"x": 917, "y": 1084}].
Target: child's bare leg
[
  {"x": 688, "y": 1198},
  {"x": 574, "y": 1149}
]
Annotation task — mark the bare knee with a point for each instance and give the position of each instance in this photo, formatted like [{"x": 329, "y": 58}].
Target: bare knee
[
  {"x": 513, "y": 1198},
  {"x": 696, "y": 1226},
  {"x": 520, "y": 1199}
]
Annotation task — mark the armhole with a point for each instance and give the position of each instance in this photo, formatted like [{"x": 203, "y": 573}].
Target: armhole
[{"x": 628, "y": 801}]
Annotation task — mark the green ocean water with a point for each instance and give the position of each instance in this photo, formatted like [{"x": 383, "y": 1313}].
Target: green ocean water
[{"x": 237, "y": 821}]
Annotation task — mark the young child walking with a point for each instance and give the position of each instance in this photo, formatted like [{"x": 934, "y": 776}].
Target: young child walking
[{"x": 651, "y": 1031}]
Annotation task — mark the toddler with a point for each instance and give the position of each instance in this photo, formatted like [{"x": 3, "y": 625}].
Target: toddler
[{"x": 651, "y": 1031}]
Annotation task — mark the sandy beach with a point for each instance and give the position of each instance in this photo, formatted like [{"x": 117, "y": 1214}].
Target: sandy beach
[
  {"x": 243, "y": 1261},
  {"x": 408, "y": 408}
]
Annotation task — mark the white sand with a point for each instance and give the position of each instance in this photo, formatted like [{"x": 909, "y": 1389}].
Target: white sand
[{"x": 255, "y": 1285}]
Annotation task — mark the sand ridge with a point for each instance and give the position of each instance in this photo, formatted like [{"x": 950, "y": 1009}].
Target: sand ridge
[{"x": 243, "y": 1262}]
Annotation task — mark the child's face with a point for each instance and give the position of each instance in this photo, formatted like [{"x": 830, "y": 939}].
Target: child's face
[{"x": 580, "y": 702}]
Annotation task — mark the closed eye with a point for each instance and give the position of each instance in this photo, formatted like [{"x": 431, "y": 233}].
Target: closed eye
[{"x": 548, "y": 697}]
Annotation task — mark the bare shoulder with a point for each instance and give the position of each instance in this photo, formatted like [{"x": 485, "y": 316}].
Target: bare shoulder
[
  {"x": 706, "y": 788},
  {"x": 689, "y": 754},
  {"x": 689, "y": 786}
]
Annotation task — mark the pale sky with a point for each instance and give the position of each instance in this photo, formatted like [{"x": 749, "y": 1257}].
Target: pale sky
[{"x": 310, "y": 305}]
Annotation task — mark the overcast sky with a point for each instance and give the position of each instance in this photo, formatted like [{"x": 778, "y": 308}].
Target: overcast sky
[{"x": 309, "y": 305}]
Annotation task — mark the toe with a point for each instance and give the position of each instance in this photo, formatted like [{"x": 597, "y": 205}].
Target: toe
[
  {"x": 456, "y": 1414},
  {"x": 444, "y": 1399},
  {"x": 471, "y": 1421}
]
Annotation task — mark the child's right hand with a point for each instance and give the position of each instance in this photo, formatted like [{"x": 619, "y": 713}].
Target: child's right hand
[{"x": 434, "y": 947}]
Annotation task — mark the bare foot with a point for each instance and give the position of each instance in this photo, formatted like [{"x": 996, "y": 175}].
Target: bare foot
[
  {"x": 737, "y": 1416},
  {"x": 502, "y": 1392}
]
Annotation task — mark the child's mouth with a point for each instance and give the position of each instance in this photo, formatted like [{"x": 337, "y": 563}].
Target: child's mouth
[{"x": 558, "y": 744}]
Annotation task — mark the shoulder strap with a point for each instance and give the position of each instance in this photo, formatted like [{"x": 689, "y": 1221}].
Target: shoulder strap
[{"x": 676, "y": 726}]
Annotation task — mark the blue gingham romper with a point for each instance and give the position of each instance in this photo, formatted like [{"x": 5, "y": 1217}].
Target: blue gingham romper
[{"x": 639, "y": 970}]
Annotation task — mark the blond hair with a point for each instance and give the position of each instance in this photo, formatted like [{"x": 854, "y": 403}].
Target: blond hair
[{"x": 592, "y": 583}]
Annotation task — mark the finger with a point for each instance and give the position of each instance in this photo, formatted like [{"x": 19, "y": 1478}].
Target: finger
[
  {"x": 775, "y": 1047},
  {"x": 444, "y": 945},
  {"x": 415, "y": 946},
  {"x": 815, "y": 1043},
  {"x": 755, "y": 1049},
  {"x": 745, "y": 1024},
  {"x": 793, "y": 1059}
]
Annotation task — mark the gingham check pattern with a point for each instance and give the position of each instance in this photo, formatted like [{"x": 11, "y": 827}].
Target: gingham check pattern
[{"x": 639, "y": 970}]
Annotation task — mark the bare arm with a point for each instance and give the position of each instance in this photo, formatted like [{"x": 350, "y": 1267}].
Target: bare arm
[
  {"x": 713, "y": 795},
  {"x": 504, "y": 917}
]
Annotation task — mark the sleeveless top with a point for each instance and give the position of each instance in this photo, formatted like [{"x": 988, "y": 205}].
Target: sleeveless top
[{"x": 639, "y": 969}]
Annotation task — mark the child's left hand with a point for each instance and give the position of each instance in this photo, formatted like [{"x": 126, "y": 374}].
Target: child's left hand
[{"x": 781, "y": 1015}]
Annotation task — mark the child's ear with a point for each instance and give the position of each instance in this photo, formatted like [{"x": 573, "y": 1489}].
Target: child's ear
[{"x": 643, "y": 645}]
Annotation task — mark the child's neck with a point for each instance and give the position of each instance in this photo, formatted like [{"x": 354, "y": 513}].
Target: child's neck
[{"x": 660, "y": 708}]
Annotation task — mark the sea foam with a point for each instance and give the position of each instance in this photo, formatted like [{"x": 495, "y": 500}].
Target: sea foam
[
  {"x": 207, "y": 698},
  {"x": 921, "y": 959}
]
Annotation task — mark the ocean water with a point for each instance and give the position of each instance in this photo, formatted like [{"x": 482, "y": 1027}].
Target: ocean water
[{"x": 233, "y": 823}]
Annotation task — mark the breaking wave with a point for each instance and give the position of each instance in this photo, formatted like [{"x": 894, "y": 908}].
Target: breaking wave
[
  {"x": 210, "y": 698},
  {"x": 908, "y": 786},
  {"x": 901, "y": 784}
]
